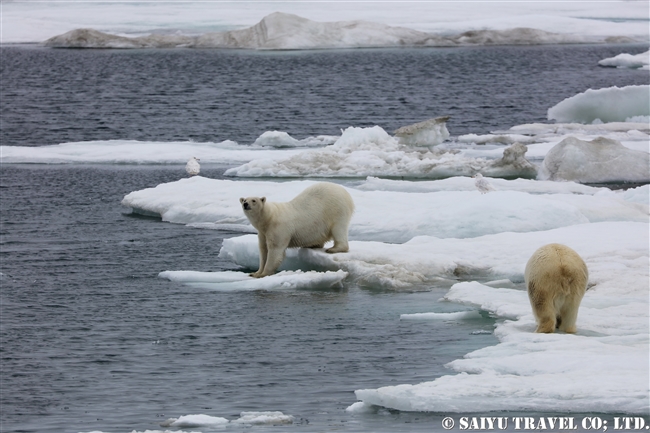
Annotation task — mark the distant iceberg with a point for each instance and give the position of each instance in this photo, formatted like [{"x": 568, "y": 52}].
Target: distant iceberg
[
  {"x": 611, "y": 104},
  {"x": 283, "y": 31}
]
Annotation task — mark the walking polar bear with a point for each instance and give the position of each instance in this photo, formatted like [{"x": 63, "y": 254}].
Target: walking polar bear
[
  {"x": 556, "y": 278},
  {"x": 317, "y": 215}
]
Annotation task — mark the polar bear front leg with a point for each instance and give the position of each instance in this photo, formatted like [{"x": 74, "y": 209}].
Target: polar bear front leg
[
  {"x": 261, "y": 242},
  {"x": 276, "y": 248},
  {"x": 273, "y": 260}
]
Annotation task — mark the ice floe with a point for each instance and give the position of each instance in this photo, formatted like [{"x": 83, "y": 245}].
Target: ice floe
[
  {"x": 440, "y": 213},
  {"x": 138, "y": 152},
  {"x": 612, "y": 104},
  {"x": 423, "y": 259},
  {"x": 229, "y": 281},
  {"x": 245, "y": 418},
  {"x": 625, "y": 60},
  {"x": 191, "y": 421}
]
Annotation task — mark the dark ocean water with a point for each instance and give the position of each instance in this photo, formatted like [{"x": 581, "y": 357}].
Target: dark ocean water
[
  {"x": 91, "y": 339},
  {"x": 54, "y": 96}
]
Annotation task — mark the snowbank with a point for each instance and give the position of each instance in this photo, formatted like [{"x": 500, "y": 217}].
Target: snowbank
[
  {"x": 612, "y": 104},
  {"x": 599, "y": 160},
  {"x": 444, "y": 214},
  {"x": 624, "y": 60},
  {"x": 284, "y": 31}
]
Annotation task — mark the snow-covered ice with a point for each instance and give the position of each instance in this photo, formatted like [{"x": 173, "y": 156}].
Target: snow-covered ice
[
  {"x": 444, "y": 214},
  {"x": 547, "y": 372},
  {"x": 524, "y": 371}
]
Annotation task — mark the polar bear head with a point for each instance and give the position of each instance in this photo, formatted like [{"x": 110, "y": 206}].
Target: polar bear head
[{"x": 252, "y": 205}]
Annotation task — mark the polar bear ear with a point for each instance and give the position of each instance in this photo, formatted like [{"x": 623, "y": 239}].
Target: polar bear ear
[
  {"x": 241, "y": 200},
  {"x": 263, "y": 199}
]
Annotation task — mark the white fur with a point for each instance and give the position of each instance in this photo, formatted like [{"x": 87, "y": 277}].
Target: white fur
[
  {"x": 556, "y": 278},
  {"x": 317, "y": 215}
]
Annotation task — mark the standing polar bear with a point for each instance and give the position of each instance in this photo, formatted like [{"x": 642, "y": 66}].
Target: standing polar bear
[
  {"x": 319, "y": 214},
  {"x": 556, "y": 278}
]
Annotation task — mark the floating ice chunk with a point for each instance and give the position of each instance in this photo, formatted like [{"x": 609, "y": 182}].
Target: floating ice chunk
[
  {"x": 230, "y": 281},
  {"x": 624, "y": 60},
  {"x": 360, "y": 407},
  {"x": 280, "y": 140},
  {"x": 428, "y": 133},
  {"x": 256, "y": 418},
  {"x": 599, "y": 160},
  {"x": 460, "y": 315},
  {"x": 200, "y": 420},
  {"x": 612, "y": 104}
]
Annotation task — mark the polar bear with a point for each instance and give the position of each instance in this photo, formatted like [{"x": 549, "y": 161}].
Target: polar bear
[
  {"x": 556, "y": 278},
  {"x": 319, "y": 214}
]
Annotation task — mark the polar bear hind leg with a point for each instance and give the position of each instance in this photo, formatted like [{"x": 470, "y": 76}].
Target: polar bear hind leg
[{"x": 340, "y": 236}]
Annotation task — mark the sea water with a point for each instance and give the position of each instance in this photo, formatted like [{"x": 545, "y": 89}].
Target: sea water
[{"x": 92, "y": 339}]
